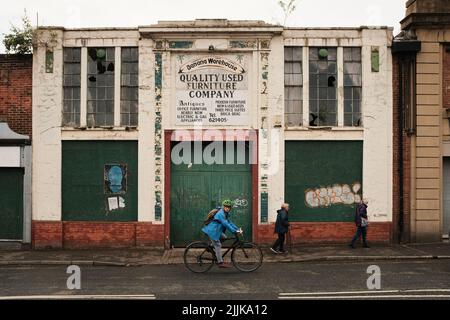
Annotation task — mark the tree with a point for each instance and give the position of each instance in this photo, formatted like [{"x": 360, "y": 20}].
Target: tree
[
  {"x": 20, "y": 39},
  {"x": 288, "y": 6}
]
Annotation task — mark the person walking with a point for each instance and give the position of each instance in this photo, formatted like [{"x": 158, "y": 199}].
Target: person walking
[
  {"x": 361, "y": 222},
  {"x": 281, "y": 228}
]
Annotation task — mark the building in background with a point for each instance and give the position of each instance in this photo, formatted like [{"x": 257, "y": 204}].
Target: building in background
[
  {"x": 139, "y": 132},
  {"x": 421, "y": 127},
  {"x": 15, "y": 148}
]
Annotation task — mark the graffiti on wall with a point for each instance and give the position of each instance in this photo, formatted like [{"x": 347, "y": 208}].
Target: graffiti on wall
[
  {"x": 333, "y": 195},
  {"x": 115, "y": 178}
]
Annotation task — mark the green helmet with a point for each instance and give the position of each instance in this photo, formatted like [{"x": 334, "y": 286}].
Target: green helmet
[{"x": 227, "y": 203}]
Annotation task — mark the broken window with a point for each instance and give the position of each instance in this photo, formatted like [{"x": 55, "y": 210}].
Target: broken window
[
  {"x": 71, "y": 87},
  {"x": 352, "y": 87},
  {"x": 293, "y": 86},
  {"x": 100, "y": 87},
  {"x": 129, "y": 95},
  {"x": 322, "y": 86}
]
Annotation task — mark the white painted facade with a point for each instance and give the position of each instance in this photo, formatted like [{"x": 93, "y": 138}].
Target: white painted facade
[{"x": 376, "y": 104}]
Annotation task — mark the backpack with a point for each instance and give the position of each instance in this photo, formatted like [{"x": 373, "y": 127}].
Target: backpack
[{"x": 210, "y": 216}]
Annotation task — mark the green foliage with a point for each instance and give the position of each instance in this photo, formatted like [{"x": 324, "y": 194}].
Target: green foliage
[
  {"x": 20, "y": 39},
  {"x": 288, "y": 6}
]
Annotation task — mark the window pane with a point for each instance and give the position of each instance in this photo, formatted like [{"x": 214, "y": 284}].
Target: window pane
[
  {"x": 352, "y": 86},
  {"x": 293, "y": 82},
  {"x": 297, "y": 54},
  {"x": 129, "y": 86},
  {"x": 71, "y": 86},
  {"x": 323, "y": 84},
  {"x": 100, "y": 93}
]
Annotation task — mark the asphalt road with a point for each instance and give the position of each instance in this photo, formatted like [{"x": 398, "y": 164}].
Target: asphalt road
[{"x": 424, "y": 279}]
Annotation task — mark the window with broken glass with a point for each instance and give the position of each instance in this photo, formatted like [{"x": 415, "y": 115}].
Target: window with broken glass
[
  {"x": 100, "y": 87},
  {"x": 322, "y": 86},
  {"x": 71, "y": 87},
  {"x": 352, "y": 87},
  {"x": 293, "y": 86},
  {"x": 129, "y": 92}
]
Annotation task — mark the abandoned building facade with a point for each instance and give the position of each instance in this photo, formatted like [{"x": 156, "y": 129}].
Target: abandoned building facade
[{"x": 139, "y": 132}]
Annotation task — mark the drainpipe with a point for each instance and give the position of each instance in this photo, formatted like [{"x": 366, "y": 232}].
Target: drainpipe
[{"x": 400, "y": 153}]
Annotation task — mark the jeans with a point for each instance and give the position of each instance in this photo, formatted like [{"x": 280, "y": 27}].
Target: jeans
[
  {"x": 218, "y": 249},
  {"x": 361, "y": 231},
  {"x": 279, "y": 243}
]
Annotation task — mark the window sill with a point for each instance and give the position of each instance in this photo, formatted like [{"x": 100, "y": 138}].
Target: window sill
[
  {"x": 324, "y": 129},
  {"x": 99, "y": 129}
]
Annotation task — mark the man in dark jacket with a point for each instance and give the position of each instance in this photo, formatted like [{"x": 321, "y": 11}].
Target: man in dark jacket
[
  {"x": 281, "y": 228},
  {"x": 361, "y": 224}
]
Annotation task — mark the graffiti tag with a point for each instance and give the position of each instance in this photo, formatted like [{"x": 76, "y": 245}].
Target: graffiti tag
[{"x": 333, "y": 195}]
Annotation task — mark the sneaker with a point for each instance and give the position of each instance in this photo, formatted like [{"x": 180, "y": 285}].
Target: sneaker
[
  {"x": 282, "y": 251},
  {"x": 274, "y": 251},
  {"x": 351, "y": 245},
  {"x": 224, "y": 265}
]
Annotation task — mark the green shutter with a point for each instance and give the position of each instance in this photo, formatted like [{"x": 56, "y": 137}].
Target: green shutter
[
  {"x": 11, "y": 203},
  {"x": 311, "y": 165},
  {"x": 85, "y": 194}
]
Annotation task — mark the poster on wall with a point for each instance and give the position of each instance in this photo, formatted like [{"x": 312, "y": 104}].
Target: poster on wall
[{"x": 212, "y": 90}]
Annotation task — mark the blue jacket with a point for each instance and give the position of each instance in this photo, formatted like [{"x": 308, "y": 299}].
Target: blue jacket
[
  {"x": 282, "y": 223},
  {"x": 219, "y": 225}
]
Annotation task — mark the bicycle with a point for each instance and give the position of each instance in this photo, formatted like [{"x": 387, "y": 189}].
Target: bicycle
[{"x": 200, "y": 256}]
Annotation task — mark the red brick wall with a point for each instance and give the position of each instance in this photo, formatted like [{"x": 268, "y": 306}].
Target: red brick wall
[
  {"x": 446, "y": 78},
  {"x": 46, "y": 234},
  {"x": 396, "y": 166},
  {"x": 71, "y": 235},
  {"x": 326, "y": 232},
  {"x": 16, "y": 91}
]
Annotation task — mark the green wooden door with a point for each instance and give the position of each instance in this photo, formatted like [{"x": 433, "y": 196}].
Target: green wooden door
[
  {"x": 196, "y": 189},
  {"x": 11, "y": 203}
]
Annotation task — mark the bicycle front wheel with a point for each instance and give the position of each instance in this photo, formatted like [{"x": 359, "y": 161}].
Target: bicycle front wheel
[
  {"x": 247, "y": 257},
  {"x": 198, "y": 257}
]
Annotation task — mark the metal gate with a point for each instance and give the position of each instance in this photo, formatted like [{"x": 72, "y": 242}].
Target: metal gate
[
  {"x": 195, "y": 189},
  {"x": 11, "y": 203}
]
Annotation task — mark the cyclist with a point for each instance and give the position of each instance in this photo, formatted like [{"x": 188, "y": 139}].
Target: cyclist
[{"x": 215, "y": 230}]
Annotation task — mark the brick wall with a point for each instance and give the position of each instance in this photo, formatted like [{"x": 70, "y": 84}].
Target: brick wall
[
  {"x": 16, "y": 92},
  {"x": 71, "y": 235},
  {"x": 396, "y": 197},
  {"x": 327, "y": 232}
]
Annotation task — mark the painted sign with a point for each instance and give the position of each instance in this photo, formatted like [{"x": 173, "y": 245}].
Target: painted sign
[{"x": 211, "y": 90}]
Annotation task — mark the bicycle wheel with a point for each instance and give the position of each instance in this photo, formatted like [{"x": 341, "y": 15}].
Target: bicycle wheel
[
  {"x": 247, "y": 257},
  {"x": 198, "y": 257}
]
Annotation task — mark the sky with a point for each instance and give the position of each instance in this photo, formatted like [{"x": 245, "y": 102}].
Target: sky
[{"x": 133, "y": 13}]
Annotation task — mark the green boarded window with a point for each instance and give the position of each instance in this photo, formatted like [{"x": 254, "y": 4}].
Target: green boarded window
[
  {"x": 323, "y": 180},
  {"x": 99, "y": 180}
]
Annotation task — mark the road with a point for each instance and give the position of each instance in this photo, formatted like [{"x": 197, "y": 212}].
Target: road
[{"x": 429, "y": 279}]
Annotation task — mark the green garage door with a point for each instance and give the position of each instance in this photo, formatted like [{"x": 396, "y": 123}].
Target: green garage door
[
  {"x": 323, "y": 180},
  {"x": 196, "y": 189},
  {"x": 11, "y": 203}
]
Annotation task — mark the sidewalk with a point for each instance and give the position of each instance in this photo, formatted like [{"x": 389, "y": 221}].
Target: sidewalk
[{"x": 155, "y": 256}]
